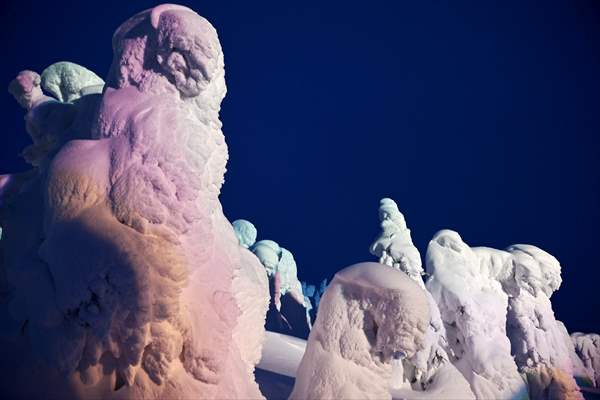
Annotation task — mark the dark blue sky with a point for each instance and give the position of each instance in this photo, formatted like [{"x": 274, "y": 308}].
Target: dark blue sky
[{"x": 482, "y": 117}]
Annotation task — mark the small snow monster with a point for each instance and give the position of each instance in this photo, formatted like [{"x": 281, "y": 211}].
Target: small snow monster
[
  {"x": 587, "y": 347},
  {"x": 245, "y": 232},
  {"x": 394, "y": 246}
]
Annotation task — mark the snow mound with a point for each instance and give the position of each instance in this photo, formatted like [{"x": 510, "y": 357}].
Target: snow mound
[
  {"x": 370, "y": 317},
  {"x": 126, "y": 279}
]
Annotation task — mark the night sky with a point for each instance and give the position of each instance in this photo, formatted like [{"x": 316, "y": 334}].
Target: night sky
[{"x": 481, "y": 117}]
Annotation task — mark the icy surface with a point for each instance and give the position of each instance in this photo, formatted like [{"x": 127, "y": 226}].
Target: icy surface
[
  {"x": 127, "y": 280},
  {"x": 369, "y": 314}
]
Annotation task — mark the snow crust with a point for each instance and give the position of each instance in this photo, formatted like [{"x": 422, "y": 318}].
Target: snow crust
[
  {"x": 369, "y": 315},
  {"x": 126, "y": 280}
]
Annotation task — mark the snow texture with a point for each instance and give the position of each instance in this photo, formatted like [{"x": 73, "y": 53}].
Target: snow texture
[
  {"x": 126, "y": 280},
  {"x": 431, "y": 366},
  {"x": 370, "y": 317}
]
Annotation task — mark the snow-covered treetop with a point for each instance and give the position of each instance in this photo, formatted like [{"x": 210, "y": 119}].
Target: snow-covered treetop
[
  {"x": 67, "y": 81},
  {"x": 245, "y": 232},
  {"x": 268, "y": 252},
  {"x": 394, "y": 245}
]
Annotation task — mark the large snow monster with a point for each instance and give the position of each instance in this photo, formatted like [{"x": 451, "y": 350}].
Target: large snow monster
[{"x": 121, "y": 277}]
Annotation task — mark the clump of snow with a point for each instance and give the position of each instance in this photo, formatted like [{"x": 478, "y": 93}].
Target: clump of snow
[
  {"x": 245, "y": 232},
  {"x": 127, "y": 280},
  {"x": 67, "y": 81},
  {"x": 370, "y": 315},
  {"x": 580, "y": 372},
  {"x": 587, "y": 347},
  {"x": 465, "y": 284}
]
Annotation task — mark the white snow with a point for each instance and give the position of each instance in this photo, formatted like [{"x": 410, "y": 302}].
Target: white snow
[{"x": 120, "y": 276}]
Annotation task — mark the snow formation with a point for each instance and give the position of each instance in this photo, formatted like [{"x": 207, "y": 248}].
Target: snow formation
[
  {"x": 465, "y": 283},
  {"x": 125, "y": 279},
  {"x": 371, "y": 316},
  {"x": 538, "y": 341}
]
